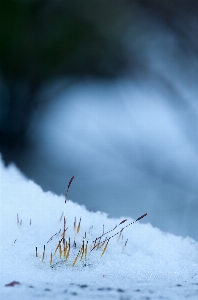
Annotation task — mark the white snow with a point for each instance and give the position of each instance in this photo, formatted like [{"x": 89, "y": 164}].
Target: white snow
[{"x": 153, "y": 265}]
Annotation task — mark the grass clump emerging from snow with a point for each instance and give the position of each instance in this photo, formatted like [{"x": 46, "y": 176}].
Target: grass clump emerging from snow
[{"x": 75, "y": 246}]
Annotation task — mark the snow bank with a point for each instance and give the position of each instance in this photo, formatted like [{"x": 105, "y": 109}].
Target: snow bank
[{"x": 152, "y": 264}]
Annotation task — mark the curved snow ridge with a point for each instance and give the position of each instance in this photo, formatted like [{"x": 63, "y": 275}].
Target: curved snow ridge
[{"x": 32, "y": 219}]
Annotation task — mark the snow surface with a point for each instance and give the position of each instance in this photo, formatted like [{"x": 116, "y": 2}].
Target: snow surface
[{"x": 152, "y": 265}]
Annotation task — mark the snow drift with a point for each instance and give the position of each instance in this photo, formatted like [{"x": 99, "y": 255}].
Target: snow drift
[{"x": 151, "y": 262}]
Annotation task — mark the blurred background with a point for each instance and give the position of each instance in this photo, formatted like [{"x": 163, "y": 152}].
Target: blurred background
[{"x": 106, "y": 90}]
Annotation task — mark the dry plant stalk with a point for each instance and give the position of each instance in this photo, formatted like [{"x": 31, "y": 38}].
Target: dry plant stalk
[
  {"x": 78, "y": 228},
  {"x": 105, "y": 248},
  {"x": 70, "y": 182},
  {"x": 43, "y": 256},
  {"x": 98, "y": 243},
  {"x": 51, "y": 259},
  {"x": 119, "y": 232}
]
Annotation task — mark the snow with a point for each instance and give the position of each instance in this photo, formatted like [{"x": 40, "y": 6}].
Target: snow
[{"x": 152, "y": 265}]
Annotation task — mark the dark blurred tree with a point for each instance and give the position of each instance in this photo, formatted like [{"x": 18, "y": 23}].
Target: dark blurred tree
[{"x": 46, "y": 40}]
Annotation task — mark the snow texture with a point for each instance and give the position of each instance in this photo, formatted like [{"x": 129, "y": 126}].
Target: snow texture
[{"x": 152, "y": 265}]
